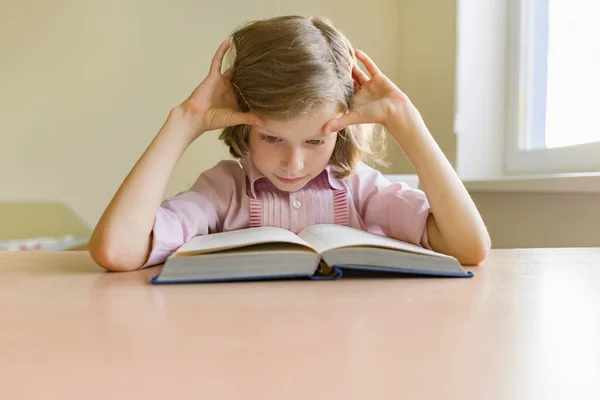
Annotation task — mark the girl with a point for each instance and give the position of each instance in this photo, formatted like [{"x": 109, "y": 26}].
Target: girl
[{"x": 296, "y": 111}]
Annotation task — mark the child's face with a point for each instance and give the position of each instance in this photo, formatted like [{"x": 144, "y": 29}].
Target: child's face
[{"x": 290, "y": 153}]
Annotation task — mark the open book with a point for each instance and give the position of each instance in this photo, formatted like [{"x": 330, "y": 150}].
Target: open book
[{"x": 317, "y": 252}]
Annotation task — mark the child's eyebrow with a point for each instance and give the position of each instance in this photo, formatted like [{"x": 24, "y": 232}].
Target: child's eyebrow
[
  {"x": 262, "y": 130},
  {"x": 319, "y": 136}
]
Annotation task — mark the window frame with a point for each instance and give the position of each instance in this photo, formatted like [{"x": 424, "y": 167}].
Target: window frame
[{"x": 526, "y": 154}]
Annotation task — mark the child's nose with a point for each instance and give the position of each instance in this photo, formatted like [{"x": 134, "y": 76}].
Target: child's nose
[{"x": 293, "y": 161}]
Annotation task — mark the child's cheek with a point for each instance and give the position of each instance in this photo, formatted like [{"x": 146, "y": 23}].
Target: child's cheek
[{"x": 263, "y": 152}]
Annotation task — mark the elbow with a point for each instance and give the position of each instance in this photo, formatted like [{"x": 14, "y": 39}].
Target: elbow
[
  {"x": 476, "y": 252},
  {"x": 111, "y": 256}
]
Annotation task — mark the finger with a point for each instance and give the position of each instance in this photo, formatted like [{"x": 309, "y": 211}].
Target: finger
[
  {"x": 352, "y": 118},
  {"x": 217, "y": 61},
  {"x": 368, "y": 63},
  {"x": 240, "y": 118},
  {"x": 360, "y": 77}
]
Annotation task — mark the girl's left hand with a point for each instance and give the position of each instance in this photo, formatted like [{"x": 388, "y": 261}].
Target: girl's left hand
[{"x": 377, "y": 100}]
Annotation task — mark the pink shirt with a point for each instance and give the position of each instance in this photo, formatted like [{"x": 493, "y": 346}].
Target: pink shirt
[{"x": 232, "y": 196}]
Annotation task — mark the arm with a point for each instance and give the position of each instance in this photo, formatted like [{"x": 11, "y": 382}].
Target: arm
[
  {"x": 122, "y": 239},
  {"x": 393, "y": 209},
  {"x": 454, "y": 226}
]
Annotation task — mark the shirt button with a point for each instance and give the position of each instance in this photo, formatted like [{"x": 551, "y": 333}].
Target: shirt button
[{"x": 297, "y": 204}]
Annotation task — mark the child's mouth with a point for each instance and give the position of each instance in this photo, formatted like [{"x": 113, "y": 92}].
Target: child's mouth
[{"x": 289, "y": 181}]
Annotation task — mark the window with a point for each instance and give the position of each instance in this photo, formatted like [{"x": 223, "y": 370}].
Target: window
[{"x": 553, "y": 92}]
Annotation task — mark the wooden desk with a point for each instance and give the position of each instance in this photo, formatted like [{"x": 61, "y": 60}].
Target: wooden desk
[{"x": 527, "y": 326}]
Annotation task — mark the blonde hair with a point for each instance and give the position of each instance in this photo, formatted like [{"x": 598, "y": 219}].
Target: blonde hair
[{"x": 286, "y": 67}]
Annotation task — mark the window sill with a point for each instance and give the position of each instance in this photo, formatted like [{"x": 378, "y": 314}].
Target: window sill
[{"x": 554, "y": 183}]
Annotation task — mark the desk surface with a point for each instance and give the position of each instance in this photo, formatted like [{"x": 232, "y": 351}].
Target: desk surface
[{"x": 527, "y": 326}]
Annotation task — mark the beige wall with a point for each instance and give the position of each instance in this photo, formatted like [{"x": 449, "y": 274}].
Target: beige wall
[
  {"x": 541, "y": 219},
  {"x": 87, "y": 84},
  {"x": 426, "y": 68}
]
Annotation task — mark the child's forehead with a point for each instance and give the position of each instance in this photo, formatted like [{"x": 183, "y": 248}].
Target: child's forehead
[{"x": 311, "y": 123}]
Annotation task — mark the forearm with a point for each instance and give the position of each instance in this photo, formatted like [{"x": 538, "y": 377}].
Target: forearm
[
  {"x": 456, "y": 227},
  {"x": 122, "y": 237}
]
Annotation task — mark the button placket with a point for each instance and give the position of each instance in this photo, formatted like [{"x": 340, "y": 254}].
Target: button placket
[{"x": 295, "y": 202}]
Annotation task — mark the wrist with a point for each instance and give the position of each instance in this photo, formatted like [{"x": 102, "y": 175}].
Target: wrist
[
  {"x": 404, "y": 120},
  {"x": 182, "y": 126}
]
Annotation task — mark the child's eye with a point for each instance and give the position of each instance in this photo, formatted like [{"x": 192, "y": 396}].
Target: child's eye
[
  {"x": 315, "y": 142},
  {"x": 269, "y": 138}
]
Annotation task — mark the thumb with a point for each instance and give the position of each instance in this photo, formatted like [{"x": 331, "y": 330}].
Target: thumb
[
  {"x": 352, "y": 118},
  {"x": 248, "y": 118}
]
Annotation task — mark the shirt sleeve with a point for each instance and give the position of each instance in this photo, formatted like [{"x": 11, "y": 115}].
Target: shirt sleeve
[
  {"x": 190, "y": 213},
  {"x": 393, "y": 209}
]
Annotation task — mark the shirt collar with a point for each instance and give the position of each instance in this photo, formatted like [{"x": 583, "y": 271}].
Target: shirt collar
[{"x": 254, "y": 175}]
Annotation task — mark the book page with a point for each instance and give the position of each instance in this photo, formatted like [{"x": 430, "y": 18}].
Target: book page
[
  {"x": 328, "y": 237},
  {"x": 233, "y": 239}
]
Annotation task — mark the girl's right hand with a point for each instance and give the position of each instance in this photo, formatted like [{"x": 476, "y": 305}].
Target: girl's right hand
[{"x": 212, "y": 105}]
